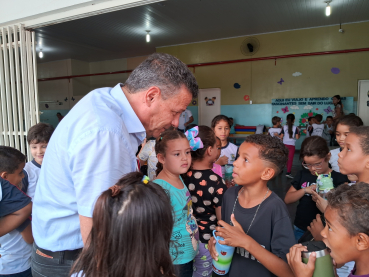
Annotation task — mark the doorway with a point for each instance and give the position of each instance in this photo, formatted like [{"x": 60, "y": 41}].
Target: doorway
[
  {"x": 209, "y": 105},
  {"x": 363, "y": 101}
]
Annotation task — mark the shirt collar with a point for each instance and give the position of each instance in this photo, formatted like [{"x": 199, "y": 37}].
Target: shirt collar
[
  {"x": 36, "y": 163},
  {"x": 132, "y": 122}
]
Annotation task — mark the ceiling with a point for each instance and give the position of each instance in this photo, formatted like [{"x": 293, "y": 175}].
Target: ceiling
[{"x": 121, "y": 34}]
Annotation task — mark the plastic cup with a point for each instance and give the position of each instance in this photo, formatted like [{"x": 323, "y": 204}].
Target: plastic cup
[{"x": 221, "y": 267}]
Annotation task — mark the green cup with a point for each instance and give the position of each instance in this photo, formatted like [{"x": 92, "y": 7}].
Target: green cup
[{"x": 323, "y": 263}]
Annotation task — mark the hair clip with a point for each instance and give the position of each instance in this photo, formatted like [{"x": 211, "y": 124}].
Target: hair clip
[
  {"x": 115, "y": 190},
  {"x": 145, "y": 179}
]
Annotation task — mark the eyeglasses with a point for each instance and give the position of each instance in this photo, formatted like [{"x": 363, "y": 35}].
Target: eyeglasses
[{"x": 316, "y": 166}]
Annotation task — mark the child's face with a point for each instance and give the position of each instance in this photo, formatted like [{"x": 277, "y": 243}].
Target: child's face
[
  {"x": 218, "y": 146},
  {"x": 38, "y": 151},
  {"x": 248, "y": 168},
  {"x": 329, "y": 121},
  {"x": 16, "y": 177},
  {"x": 310, "y": 121},
  {"x": 334, "y": 100},
  {"x": 279, "y": 124},
  {"x": 316, "y": 164},
  {"x": 222, "y": 130},
  {"x": 177, "y": 158},
  {"x": 336, "y": 237},
  {"x": 351, "y": 160},
  {"x": 341, "y": 134}
]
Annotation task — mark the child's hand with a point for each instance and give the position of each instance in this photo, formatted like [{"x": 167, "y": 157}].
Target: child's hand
[
  {"x": 310, "y": 189},
  {"x": 297, "y": 266},
  {"x": 211, "y": 245},
  {"x": 232, "y": 235},
  {"x": 316, "y": 226},
  {"x": 321, "y": 203},
  {"x": 223, "y": 160}
]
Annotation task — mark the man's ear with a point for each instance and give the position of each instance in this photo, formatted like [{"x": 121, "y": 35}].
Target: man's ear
[
  {"x": 362, "y": 241},
  {"x": 268, "y": 173},
  {"x": 152, "y": 94},
  {"x": 160, "y": 158},
  {"x": 4, "y": 175}
]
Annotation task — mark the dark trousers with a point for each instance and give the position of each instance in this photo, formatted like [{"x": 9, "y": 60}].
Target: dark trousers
[
  {"x": 26, "y": 273},
  {"x": 184, "y": 270},
  {"x": 44, "y": 264}
]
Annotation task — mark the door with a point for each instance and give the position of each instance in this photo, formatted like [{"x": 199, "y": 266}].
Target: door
[
  {"x": 18, "y": 87},
  {"x": 363, "y": 101},
  {"x": 209, "y": 105}
]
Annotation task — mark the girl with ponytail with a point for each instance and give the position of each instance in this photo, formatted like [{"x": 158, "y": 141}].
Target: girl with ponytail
[
  {"x": 174, "y": 158},
  {"x": 289, "y": 134},
  {"x": 131, "y": 232}
]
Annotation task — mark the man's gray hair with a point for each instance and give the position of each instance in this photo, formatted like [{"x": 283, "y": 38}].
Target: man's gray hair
[{"x": 164, "y": 71}]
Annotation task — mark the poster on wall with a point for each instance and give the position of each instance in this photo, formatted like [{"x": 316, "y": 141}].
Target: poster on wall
[{"x": 303, "y": 108}]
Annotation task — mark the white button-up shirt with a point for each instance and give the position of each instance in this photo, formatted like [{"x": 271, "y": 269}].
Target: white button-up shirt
[{"x": 90, "y": 150}]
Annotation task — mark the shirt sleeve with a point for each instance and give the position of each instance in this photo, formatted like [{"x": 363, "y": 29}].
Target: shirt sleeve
[
  {"x": 296, "y": 182},
  {"x": 107, "y": 158},
  {"x": 12, "y": 199},
  {"x": 189, "y": 113},
  {"x": 282, "y": 131},
  {"x": 283, "y": 238},
  {"x": 145, "y": 152}
]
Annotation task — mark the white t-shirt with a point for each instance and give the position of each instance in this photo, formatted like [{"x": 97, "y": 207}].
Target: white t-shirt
[
  {"x": 33, "y": 171},
  {"x": 317, "y": 129},
  {"x": 286, "y": 137},
  {"x": 185, "y": 116},
  {"x": 275, "y": 130},
  {"x": 334, "y": 159},
  {"x": 230, "y": 150},
  {"x": 148, "y": 154}
]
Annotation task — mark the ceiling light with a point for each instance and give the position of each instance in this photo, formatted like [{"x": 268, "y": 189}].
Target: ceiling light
[
  {"x": 328, "y": 8},
  {"x": 147, "y": 36},
  {"x": 40, "y": 54}
]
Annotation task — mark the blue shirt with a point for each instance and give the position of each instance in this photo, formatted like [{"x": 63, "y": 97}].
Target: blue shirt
[
  {"x": 15, "y": 253},
  {"x": 185, "y": 233},
  {"x": 90, "y": 150}
]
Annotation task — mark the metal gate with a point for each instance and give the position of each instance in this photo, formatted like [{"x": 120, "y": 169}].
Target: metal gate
[{"x": 18, "y": 86}]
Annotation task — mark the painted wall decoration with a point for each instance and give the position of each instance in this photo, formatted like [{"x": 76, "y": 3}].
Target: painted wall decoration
[
  {"x": 335, "y": 70},
  {"x": 194, "y": 102},
  {"x": 281, "y": 81},
  {"x": 210, "y": 102},
  {"x": 237, "y": 85},
  {"x": 296, "y": 74},
  {"x": 303, "y": 108},
  {"x": 246, "y": 98}
]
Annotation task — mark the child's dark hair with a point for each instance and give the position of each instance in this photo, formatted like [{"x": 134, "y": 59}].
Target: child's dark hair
[
  {"x": 310, "y": 118},
  {"x": 161, "y": 144},
  {"x": 319, "y": 117},
  {"x": 131, "y": 231},
  {"x": 314, "y": 146},
  {"x": 329, "y": 116},
  {"x": 190, "y": 126},
  {"x": 275, "y": 120},
  {"x": 290, "y": 120},
  {"x": 10, "y": 159},
  {"x": 352, "y": 206},
  {"x": 339, "y": 99},
  {"x": 363, "y": 133},
  {"x": 207, "y": 136},
  {"x": 271, "y": 150},
  {"x": 40, "y": 133},
  {"x": 349, "y": 120},
  {"x": 220, "y": 117}
]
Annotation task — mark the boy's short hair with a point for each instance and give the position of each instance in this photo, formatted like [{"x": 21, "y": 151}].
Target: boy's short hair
[
  {"x": 319, "y": 117},
  {"x": 363, "y": 133},
  {"x": 275, "y": 120},
  {"x": 10, "y": 159},
  {"x": 352, "y": 205},
  {"x": 40, "y": 132},
  {"x": 271, "y": 150},
  {"x": 329, "y": 116}
]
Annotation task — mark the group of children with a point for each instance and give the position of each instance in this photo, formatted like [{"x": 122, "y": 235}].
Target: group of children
[{"x": 164, "y": 227}]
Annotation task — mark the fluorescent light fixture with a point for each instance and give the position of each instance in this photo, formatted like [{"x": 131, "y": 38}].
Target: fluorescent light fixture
[
  {"x": 40, "y": 54},
  {"x": 328, "y": 8},
  {"x": 147, "y": 36}
]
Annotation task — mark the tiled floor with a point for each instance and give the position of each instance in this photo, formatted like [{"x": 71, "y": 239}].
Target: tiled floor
[{"x": 281, "y": 184}]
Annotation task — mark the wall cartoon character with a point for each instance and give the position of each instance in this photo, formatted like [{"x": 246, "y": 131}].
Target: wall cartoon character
[{"x": 210, "y": 102}]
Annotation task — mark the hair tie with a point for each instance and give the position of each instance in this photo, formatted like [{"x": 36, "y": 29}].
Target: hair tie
[
  {"x": 145, "y": 179},
  {"x": 195, "y": 142},
  {"x": 115, "y": 190}
]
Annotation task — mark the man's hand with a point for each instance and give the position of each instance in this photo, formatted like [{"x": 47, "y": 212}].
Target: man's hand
[
  {"x": 232, "y": 235},
  {"x": 316, "y": 226},
  {"x": 321, "y": 203},
  {"x": 222, "y": 160},
  {"x": 297, "y": 266}
]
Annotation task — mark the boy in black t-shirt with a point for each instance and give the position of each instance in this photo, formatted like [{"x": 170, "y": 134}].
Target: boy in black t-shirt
[{"x": 262, "y": 233}]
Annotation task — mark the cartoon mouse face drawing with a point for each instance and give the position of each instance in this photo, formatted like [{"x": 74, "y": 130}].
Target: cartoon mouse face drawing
[{"x": 210, "y": 102}]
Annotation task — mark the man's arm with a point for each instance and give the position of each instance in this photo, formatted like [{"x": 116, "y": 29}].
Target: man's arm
[
  {"x": 190, "y": 120},
  {"x": 12, "y": 221},
  {"x": 86, "y": 226}
]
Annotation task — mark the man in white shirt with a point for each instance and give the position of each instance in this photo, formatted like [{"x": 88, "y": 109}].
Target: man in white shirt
[
  {"x": 93, "y": 147},
  {"x": 185, "y": 119}
]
